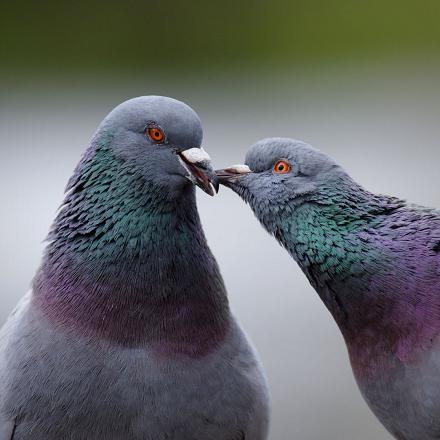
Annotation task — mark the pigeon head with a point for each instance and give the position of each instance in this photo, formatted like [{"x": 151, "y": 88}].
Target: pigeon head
[
  {"x": 279, "y": 173},
  {"x": 126, "y": 252},
  {"x": 159, "y": 138}
]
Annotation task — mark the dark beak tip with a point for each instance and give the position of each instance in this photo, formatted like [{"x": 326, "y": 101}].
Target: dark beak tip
[
  {"x": 209, "y": 189},
  {"x": 214, "y": 186},
  {"x": 215, "y": 181},
  {"x": 224, "y": 177},
  {"x": 210, "y": 183}
]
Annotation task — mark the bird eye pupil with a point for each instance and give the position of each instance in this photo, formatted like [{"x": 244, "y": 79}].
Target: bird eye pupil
[
  {"x": 281, "y": 167},
  {"x": 156, "y": 134}
]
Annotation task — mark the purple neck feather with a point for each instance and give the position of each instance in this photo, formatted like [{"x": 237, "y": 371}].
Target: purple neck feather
[
  {"x": 130, "y": 265},
  {"x": 372, "y": 260}
]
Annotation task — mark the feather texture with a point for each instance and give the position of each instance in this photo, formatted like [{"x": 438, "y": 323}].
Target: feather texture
[{"x": 374, "y": 262}]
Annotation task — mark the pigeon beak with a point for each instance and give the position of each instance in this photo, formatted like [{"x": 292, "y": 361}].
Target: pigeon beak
[
  {"x": 200, "y": 171},
  {"x": 232, "y": 173}
]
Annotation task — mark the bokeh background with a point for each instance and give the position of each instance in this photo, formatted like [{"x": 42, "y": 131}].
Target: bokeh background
[{"x": 360, "y": 80}]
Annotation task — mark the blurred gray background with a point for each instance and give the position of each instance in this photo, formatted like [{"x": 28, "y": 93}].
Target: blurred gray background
[
  {"x": 359, "y": 82},
  {"x": 383, "y": 128}
]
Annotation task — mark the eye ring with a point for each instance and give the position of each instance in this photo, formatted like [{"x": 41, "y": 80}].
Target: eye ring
[
  {"x": 281, "y": 167},
  {"x": 156, "y": 134}
]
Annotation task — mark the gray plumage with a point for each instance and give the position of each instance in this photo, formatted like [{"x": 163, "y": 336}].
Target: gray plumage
[
  {"x": 374, "y": 261},
  {"x": 127, "y": 332}
]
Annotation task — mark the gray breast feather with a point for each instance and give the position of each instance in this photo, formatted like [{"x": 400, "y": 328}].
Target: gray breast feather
[{"x": 55, "y": 383}]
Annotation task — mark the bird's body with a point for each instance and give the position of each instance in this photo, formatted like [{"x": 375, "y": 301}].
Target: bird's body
[
  {"x": 377, "y": 271},
  {"x": 58, "y": 385},
  {"x": 375, "y": 262},
  {"x": 127, "y": 333}
]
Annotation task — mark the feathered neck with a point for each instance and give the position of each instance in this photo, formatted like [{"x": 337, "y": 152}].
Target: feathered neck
[
  {"x": 329, "y": 235},
  {"x": 129, "y": 262},
  {"x": 344, "y": 240}
]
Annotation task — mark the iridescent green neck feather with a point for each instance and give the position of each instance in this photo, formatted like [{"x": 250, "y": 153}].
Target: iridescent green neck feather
[
  {"x": 128, "y": 259},
  {"x": 331, "y": 236}
]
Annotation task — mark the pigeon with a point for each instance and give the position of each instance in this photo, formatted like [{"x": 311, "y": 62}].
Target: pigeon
[
  {"x": 374, "y": 261},
  {"x": 127, "y": 331}
]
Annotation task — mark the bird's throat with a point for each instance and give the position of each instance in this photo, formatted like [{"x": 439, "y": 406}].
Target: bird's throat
[
  {"x": 127, "y": 268},
  {"x": 360, "y": 281}
]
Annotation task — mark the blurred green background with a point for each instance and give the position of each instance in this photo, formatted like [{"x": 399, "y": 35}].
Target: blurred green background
[
  {"x": 134, "y": 35},
  {"x": 357, "y": 79}
]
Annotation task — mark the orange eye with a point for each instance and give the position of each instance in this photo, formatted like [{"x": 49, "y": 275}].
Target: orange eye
[
  {"x": 156, "y": 134},
  {"x": 281, "y": 167}
]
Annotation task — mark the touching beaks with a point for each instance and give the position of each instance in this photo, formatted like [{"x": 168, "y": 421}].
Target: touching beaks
[
  {"x": 232, "y": 173},
  {"x": 200, "y": 171}
]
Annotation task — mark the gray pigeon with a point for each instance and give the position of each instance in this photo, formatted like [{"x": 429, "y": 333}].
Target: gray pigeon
[
  {"x": 127, "y": 332},
  {"x": 374, "y": 261}
]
